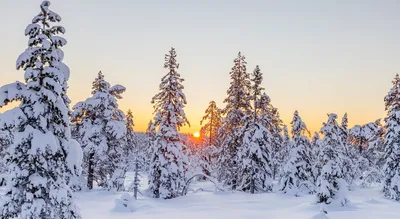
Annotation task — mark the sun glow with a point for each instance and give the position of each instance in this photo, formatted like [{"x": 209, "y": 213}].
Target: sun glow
[{"x": 196, "y": 134}]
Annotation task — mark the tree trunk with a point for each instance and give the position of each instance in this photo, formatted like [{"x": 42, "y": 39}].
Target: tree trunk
[
  {"x": 273, "y": 172},
  {"x": 90, "y": 172},
  {"x": 252, "y": 185}
]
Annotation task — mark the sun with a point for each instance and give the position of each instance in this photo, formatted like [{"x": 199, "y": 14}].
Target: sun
[{"x": 196, "y": 134}]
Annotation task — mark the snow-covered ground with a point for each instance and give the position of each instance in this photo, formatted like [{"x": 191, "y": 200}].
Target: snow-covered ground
[{"x": 366, "y": 203}]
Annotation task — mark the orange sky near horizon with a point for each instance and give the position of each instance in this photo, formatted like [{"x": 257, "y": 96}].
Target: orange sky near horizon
[
  {"x": 317, "y": 57},
  {"x": 313, "y": 117}
]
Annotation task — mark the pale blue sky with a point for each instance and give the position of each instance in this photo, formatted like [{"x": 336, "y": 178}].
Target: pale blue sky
[{"x": 317, "y": 56}]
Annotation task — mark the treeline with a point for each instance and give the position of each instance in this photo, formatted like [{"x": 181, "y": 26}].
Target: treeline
[{"x": 248, "y": 147}]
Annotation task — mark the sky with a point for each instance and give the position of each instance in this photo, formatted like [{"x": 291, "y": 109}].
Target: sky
[{"x": 317, "y": 56}]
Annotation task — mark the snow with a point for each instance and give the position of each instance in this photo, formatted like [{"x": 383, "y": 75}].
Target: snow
[
  {"x": 124, "y": 204},
  {"x": 75, "y": 156},
  {"x": 32, "y": 29},
  {"x": 366, "y": 204},
  {"x": 12, "y": 118}
]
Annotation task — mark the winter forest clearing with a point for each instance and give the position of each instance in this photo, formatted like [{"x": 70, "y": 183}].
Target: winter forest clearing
[{"x": 85, "y": 160}]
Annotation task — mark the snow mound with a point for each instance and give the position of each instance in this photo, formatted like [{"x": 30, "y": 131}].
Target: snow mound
[{"x": 124, "y": 204}]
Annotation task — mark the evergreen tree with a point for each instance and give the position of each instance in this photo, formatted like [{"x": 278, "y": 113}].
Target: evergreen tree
[
  {"x": 40, "y": 158},
  {"x": 149, "y": 144},
  {"x": 373, "y": 156},
  {"x": 282, "y": 154},
  {"x": 255, "y": 174},
  {"x": 237, "y": 107},
  {"x": 316, "y": 153},
  {"x": 391, "y": 183},
  {"x": 167, "y": 176},
  {"x": 133, "y": 151},
  {"x": 350, "y": 158},
  {"x": 273, "y": 123},
  {"x": 298, "y": 176},
  {"x": 136, "y": 180},
  {"x": 213, "y": 120},
  {"x": 367, "y": 145},
  {"x": 134, "y": 155},
  {"x": 131, "y": 140},
  {"x": 101, "y": 131},
  {"x": 345, "y": 122},
  {"x": 378, "y": 148},
  {"x": 331, "y": 184}
]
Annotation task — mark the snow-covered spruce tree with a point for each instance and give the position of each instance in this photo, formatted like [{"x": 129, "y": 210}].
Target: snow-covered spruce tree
[
  {"x": 280, "y": 154},
  {"x": 254, "y": 155},
  {"x": 38, "y": 160},
  {"x": 316, "y": 154},
  {"x": 298, "y": 176},
  {"x": 238, "y": 105},
  {"x": 391, "y": 171},
  {"x": 149, "y": 144},
  {"x": 375, "y": 154},
  {"x": 131, "y": 139},
  {"x": 367, "y": 145},
  {"x": 136, "y": 180},
  {"x": 274, "y": 125},
  {"x": 167, "y": 176},
  {"x": 212, "y": 119},
  {"x": 332, "y": 188},
  {"x": 134, "y": 156},
  {"x": 286, "y": 145},
  {"x": 150, "y": 147},
  {"x": 134, "y": 153},
  {"x": 101, "y": 129},
  {"x": 350, "y": 158}
]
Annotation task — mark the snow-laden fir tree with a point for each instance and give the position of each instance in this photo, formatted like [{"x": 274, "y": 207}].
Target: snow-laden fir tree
[
  {"x": 254, "y": 155},
  {"x": 167, "y": 176},
  {"x": 298, "y": 176},
  {"x": 212, "y": 119},
  {"x": 366, "y": 141},
  {"x": 40, "y": 158},
  {"x": 345, "y": 121},
  {"x": 316, "y": 154},
  {"x": 391, "y": 171},
  {"x": 274, "y": 125},
  {"x": 361, "y": 135},
  {"x": 332, "y": 188},
  {"x": 134, "y": 156},
  {"x": 136, "y": 180},
  {"x": 101, "y": 131},
  {"x": 135, "y": 152},
  {"x": 286, "y": 145},
  {"x": 375, "y": 154},
  {"x": 350, "y": 158},
  {"x": 131, "y": 139},
  {"x": 238, "y": 105},
  {"x": 117, "y": 154},
  {"x": 149, "y": 144}
]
